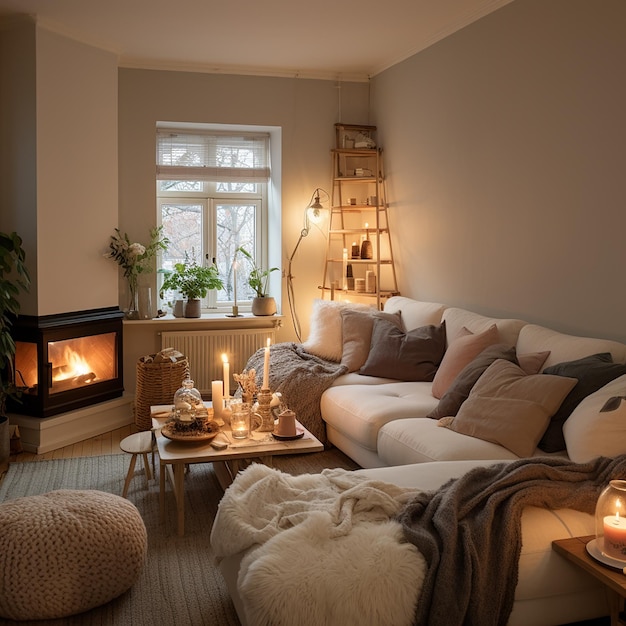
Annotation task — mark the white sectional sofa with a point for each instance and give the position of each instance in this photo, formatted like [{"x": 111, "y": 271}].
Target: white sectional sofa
[{"x": 382, "y": 423}]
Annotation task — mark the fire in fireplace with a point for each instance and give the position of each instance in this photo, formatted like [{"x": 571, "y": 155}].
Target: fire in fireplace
[{"x": 67, "y": 361}]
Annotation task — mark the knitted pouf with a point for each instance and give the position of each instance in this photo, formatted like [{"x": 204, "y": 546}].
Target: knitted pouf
[{"x": 67, "y": 551}]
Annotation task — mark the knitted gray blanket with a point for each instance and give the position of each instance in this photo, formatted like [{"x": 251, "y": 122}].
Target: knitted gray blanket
[
  {"x": 469, "y": 532},
  {"x": 301, "y": 378}
]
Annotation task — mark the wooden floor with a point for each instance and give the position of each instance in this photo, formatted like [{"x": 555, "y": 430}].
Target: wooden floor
[{"x": 107, "y": 443}]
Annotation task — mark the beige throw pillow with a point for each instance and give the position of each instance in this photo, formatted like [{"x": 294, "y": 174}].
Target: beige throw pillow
[
  {"x": 508, "y": 407},
  {"x": 357, "y": 325},
  {"x": 461, "y": 351}
]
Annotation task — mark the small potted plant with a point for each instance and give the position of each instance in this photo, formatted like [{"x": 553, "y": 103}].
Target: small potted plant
[
  {"x": 258, "y": 279},
  {"x": 193, "y": 281},
  {"x": 13, "y": 279}
]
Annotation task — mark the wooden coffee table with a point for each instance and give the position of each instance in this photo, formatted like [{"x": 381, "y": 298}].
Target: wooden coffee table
[{"x": 175, "y": 455}]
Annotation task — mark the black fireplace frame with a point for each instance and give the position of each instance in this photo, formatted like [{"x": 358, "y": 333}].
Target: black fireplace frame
[{"x": 41, "y": 330}]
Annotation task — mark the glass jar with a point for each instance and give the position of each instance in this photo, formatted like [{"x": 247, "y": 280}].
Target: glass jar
[
  {"x": 611, "y": 520},
  {"x": 187, "y": 400}
]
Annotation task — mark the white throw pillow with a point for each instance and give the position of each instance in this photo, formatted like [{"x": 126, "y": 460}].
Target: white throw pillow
[
  {"x": 590, "y": 433},
  {"x": 325, "y": 338}
]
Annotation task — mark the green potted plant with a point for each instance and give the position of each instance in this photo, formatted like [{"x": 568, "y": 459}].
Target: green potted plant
[
  {"x": 193, "y": 281},
  {"x": 258, "y": 279},
  {"x": 14, "y": 278}
]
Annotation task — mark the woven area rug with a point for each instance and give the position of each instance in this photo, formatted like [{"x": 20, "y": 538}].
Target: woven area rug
[{"x": 180, "y": 583}]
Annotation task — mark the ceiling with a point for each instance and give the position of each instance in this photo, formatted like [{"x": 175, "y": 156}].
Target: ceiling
[{"x": 339, "y": 39}]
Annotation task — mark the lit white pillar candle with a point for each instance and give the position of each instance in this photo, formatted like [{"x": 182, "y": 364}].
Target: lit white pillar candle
[
  {"x": 266, "y": 367},
  {"x": 226, "y": 376},
  {"x": 217, "y": 397}
]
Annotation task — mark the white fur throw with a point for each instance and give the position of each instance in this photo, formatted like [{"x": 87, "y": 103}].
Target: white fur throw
[
  {"x": 67, "y": 551},
  {"x": 325, "y": 550}
]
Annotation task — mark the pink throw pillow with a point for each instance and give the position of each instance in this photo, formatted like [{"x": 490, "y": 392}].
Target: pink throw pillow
[{"x": 460, "y": 352}]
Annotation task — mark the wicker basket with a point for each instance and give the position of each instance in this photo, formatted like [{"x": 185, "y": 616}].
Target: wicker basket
[{"x": 156, "y": 384}]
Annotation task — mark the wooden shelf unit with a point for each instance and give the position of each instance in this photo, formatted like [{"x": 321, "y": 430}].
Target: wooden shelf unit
[{"x": 359, "y": 211}]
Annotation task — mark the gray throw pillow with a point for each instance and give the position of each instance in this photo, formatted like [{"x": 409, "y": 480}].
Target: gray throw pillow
[
  {"x": 592, "y": 372},
  {"x": 405, "y": 355},
  {"x": 458, "y": 392}
]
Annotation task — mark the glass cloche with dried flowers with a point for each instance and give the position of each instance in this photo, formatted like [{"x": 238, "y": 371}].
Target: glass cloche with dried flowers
[{"x": 134, "y": 258}]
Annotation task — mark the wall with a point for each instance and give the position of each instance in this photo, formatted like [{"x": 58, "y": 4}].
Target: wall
[
  {"x": 59, "y": 165},
  {"x": 304, "y": 110},
  {"x": 505, "y": 155}
]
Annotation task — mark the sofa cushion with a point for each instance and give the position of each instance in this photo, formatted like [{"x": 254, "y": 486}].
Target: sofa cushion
[
  {"x": 325, "y": 334},
  {"x": 415, "y": 313},
  {"x": 357, "y": 326},
  {"x": 461, "y": 351},
  {"x": 459, "y": 390},
  {"x": 511, "y": 408},
  {"x": 412, "y": 355},
  {"x": 359, "y": 411},
  {"x": 457, "y": 319},
  {"x": 596, "y": 428},
  {"x": 592, "y": 372},
  {"x": 564, "y": 347},
  {"x": 403, "y": 441}
]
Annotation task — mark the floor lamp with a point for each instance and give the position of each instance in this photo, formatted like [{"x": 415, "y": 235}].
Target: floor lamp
[{"x": 313, "y": 215}]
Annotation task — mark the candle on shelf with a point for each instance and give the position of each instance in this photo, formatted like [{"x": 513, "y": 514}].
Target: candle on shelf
[
  {"x": 344, "y": 272},
  {"x": 266, "y": 366},
  {"x": 226, "y": 376},
  {"x": 217, "y": 397},
  {"x": 356, "y": 250},
  {"x": 615, "y": 536}
]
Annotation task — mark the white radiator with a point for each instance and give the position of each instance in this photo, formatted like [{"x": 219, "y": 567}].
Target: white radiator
[{"x": 204, "y": 349}]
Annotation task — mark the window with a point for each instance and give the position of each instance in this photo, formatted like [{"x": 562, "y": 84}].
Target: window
[{"x": 212, "y": 190}]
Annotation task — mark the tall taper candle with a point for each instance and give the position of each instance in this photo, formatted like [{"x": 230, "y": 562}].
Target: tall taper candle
[
  {"x": 266, "y": 367},
  {"x": 226, "y": 376},
  {"x": 235, "y": 281}
]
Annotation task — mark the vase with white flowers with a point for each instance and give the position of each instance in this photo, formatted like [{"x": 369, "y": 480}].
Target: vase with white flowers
[{"x": 135, "y": 259}]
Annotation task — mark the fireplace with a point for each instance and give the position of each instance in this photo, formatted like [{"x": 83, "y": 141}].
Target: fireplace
[{"x": 67, "y": 361}]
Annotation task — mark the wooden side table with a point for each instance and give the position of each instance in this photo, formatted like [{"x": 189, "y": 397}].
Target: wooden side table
[{"x": 574, "y": 549}]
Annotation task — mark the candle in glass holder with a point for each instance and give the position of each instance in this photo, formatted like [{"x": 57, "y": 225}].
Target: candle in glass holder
[{"x": 615, "y": 536}]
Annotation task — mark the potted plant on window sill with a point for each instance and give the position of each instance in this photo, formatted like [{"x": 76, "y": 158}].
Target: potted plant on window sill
[
  {"x": 193, "y": 281},
  {"x": 258, "y": 279},
  {"x": 13, "y": 279}
]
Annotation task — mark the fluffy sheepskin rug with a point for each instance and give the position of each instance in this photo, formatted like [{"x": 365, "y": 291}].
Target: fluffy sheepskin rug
[{"x": 305, "y": 576}]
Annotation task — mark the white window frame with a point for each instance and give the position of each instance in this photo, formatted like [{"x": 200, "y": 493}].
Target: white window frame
[{"x": 209, "y": 197}]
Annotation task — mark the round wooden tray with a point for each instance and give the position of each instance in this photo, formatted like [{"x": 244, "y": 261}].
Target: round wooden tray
[{"x": 170, "y": 431}]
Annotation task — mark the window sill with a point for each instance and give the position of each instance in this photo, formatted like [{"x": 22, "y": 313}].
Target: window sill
[{"x": 213, "y": 320}]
